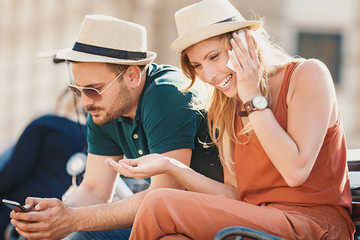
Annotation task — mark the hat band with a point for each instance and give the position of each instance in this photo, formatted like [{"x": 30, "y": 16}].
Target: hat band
[
  {"x": 108, "y": 52},
  {"x": 231, "y": 19}
]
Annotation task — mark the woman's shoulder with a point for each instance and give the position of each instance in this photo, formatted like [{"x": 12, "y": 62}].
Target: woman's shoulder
[
  {"x": 310, "y": 68},
  {"x": 311, "y": 73},
  {"x": 311, "y": 76}
]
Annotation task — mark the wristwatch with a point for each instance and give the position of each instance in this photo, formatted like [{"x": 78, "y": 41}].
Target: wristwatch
[{"x": 257, "y": 103}]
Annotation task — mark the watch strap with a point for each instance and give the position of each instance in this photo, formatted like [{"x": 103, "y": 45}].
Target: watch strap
[{"x": 249, "y": 106}]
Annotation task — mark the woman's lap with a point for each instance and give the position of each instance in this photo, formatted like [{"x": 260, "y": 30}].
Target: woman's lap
[{"x": 201, "y": 216}]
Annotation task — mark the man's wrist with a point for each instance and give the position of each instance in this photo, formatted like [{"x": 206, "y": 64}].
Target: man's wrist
[{"x": 76, "y": 216}]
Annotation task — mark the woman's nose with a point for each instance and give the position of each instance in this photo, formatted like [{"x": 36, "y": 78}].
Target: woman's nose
[{"x": 209, "y": 75}]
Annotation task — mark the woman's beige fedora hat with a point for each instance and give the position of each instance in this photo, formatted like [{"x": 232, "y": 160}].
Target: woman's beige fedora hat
[
  {"x": 109, "y": 40},
  {"x": 206, "y": 19}
]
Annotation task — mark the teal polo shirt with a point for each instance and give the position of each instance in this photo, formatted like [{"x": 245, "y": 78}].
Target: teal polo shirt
[{"x": 164, "y": 122}]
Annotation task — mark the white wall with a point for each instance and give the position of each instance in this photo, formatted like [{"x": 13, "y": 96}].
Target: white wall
[{"x": 29, "y": 85}]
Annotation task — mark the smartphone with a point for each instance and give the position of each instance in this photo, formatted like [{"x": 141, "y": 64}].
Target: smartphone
[
  {"x": 241, "y": 34},
  {"x": 17, "y": 207}
]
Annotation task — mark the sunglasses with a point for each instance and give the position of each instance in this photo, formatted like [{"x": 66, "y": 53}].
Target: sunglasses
[{"x": 90, "y": 92}]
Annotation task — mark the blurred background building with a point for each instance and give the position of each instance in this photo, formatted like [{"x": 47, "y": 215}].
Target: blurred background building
[{"x": 325, "y": 29}]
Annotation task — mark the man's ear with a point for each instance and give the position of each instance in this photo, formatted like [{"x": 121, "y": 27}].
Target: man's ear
[{"x": 133, "y": 76}]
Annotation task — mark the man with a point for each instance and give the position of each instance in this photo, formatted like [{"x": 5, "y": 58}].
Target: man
[{"x": 135, "y": 108}]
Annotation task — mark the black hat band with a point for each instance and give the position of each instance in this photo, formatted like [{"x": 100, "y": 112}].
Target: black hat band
[{"x": 108, "y": 52}]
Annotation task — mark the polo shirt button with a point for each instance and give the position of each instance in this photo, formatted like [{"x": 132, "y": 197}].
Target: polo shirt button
[
  {"x": 135, "y": 136},
  {"x": 140, "y": 152}
]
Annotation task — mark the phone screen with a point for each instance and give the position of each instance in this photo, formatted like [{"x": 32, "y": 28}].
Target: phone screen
[
  {"x": 242, "y": 37},
  {"x": 17, "y": 207}
]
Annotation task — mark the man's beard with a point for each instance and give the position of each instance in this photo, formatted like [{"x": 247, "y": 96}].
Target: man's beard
[
  {"x": 120, "y": 107},
  {"x": 109, "y": 117}
]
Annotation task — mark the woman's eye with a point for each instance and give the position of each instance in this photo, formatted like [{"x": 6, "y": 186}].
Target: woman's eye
[
  {"x": 213, "y": 57},
  {"x": 196, "y": 65}
]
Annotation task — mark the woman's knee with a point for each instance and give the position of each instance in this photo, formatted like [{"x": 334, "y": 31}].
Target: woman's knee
[
  {"x": 159, "y": 194},
  {"x": 158, "y": 198}
]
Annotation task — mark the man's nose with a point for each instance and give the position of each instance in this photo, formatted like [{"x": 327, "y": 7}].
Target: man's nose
[{"x": 86, "y": 101}]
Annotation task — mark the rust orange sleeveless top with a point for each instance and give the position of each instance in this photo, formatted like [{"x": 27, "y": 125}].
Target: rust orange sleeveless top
[{"x": 328, "y": 183}]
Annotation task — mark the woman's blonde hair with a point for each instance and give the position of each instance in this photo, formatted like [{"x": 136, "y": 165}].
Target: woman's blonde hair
[{"x": 222, "y": 110}]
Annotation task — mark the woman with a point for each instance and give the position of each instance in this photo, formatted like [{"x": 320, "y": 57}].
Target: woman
[{"x": 277, "y": 125}]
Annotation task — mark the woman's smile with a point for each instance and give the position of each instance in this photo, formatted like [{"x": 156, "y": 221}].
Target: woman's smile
[{"x": 222, "y": 85}]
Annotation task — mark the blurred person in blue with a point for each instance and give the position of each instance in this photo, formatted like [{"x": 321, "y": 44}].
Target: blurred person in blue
[
  {"x": 136, "y": 107},
  {"x": 36, "y": 164}
]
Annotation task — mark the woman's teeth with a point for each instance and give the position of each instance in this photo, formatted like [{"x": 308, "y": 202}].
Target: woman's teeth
[{"x": 225, "y": 82}]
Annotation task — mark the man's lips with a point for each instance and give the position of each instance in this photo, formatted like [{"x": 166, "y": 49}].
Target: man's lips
[{"x": 93, "y": 111}]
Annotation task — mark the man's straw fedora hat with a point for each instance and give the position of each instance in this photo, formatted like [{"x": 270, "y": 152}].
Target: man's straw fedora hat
[
  {"x": 109, "y": 40},
  {"x": 206, "y": 19}
]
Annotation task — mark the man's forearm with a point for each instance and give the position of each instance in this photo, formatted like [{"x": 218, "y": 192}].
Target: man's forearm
[
  {"x": 108, "y": 216},
  {"x": 83, "y": 196}
]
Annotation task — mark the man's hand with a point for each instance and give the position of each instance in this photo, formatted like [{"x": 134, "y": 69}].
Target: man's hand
[
  {"x": 31, "y": 202},
  {"x": 47, "y": 219}
]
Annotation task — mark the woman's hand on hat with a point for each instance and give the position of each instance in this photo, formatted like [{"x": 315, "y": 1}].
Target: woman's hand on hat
[{"x": 247, "y": 67}]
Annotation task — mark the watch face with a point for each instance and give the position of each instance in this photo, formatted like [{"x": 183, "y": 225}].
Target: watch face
[{"x": 260, "y": 102}]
